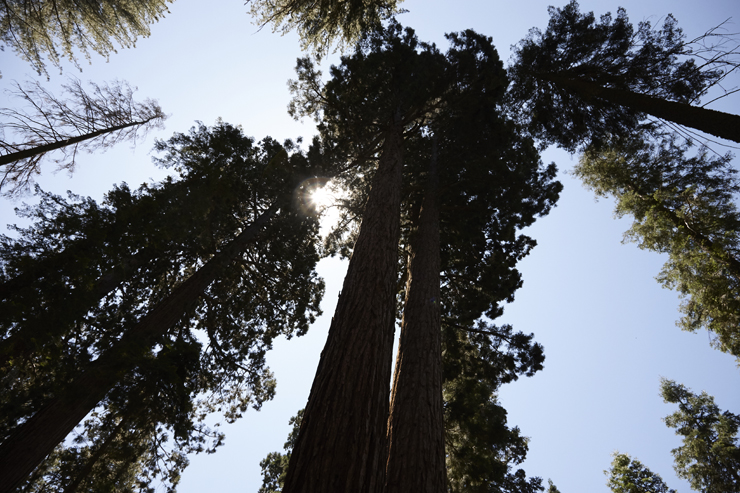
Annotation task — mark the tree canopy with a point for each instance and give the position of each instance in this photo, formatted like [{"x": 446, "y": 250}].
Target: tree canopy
[
  {"x": 683, "y": 205},
  {"x": 321, "y": 23},
  {"x": 212, "y": 358},
  {"x": 709, "y": 457},
  {"x": 583, "y": 80},
  {"x": 56, "y": 29},
  {"x": 628, "y": 475}
]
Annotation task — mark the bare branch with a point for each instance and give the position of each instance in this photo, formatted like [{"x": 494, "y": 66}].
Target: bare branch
[{"x": 82, "y": 120}]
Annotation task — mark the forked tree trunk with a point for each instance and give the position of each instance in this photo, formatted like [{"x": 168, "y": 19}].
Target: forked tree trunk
[
  {"x": 416, "y": 454},
  {"x": 33, "y": 440},
  {"x": 717, "y": 123},
  {"x": 341, "y": 445}
]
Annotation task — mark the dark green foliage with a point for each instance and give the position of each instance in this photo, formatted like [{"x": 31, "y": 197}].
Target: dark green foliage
[
  {"x": 493, "y": 184},
  {"x": 709, "y": 457},
  {"x": 481, "y": 449},
  {"x": 628, "y": 475},
  {"x": 143, "y": 435},
  {"x": 154, "y": 238},
  {"x": 275, "y": 465},
  {"x": 608, "y": 52},
  {"x": 501, "y": 188},
  {"x": 320, "y": 23},
  {"x": 390, "y": 74},
  {"x": 682, "y": 205},
  {"x": 55, "y": 29}
]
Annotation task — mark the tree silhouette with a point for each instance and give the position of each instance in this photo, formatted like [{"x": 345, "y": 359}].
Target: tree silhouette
[
  {"x": 582, "y": 80},
  {"x": 240, "y": 272},
  {"x": 88, "y": 121}
]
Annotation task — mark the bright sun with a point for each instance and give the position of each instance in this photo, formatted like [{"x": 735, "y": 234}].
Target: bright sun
[{"x": 323, "y": 197}]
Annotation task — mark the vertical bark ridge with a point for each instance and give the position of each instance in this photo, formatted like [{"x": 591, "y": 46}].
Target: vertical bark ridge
[
  {"x": 416, "y": 455},
  {"x": 342, "y": 441}
]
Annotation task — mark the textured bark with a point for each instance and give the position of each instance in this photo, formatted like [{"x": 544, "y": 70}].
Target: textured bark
[
  {"x": 342, "y": 440},
  {"x": 33, "y": 440},
  {"x": 416, "y": 454},
  {"x": 717, "y": 123}
]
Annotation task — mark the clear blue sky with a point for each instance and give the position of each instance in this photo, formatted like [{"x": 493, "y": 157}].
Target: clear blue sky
[{"x": 607, "y": 326}]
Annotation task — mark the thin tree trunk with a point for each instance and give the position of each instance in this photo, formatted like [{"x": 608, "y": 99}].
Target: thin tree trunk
[
  {"x": 416, "y": 454},
  {"x": 341, "y": 445},
  {"x": 33, "y": 440},
  {"x": 717, "y": 123},
  {"x": 83, "y": 473},
  {"x": 43, "y": 149},
  {"x": 706, "y": 244},
  {"x": 23, "y": 343}
]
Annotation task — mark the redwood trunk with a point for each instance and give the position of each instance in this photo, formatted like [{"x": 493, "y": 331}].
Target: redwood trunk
[
  {"x": 341, "y": 445},
  {"x": 717, "y": 123},
  {"x": 416, "y": 456},
  {"x": 33, "y": 440}
]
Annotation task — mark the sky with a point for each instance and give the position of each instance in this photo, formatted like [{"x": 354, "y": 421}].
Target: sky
[{"x": 607, "y": 326}]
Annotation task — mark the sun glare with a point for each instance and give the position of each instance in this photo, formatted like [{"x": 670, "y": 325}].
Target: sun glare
[
  {"x": 323, "y": 200},
  {"x": 323, "y": 197}
]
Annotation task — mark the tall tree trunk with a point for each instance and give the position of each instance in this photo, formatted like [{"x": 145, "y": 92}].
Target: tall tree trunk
[
  {"x": 416, "y": 454},
  {"x": 23, "y": 343},
  {"x": 33, "y": 440},
  {"x": 341, "y": 445},
  {"x": 43, "y": 149},
  {"x": 717, "y": 123}
]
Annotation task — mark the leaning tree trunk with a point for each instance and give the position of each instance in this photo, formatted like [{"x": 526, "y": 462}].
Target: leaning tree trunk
[
  {"x": 33, "y": 440},
  {"x": 342, "y": 440},
  {"x": 23, "y": 343},
  {"x": 717, "y": 123},
  {"x": 35, "y": 151},
  {"x": 416, "y": 454}
]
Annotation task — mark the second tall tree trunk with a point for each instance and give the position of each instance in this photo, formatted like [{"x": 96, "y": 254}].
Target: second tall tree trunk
[
  {"x": 341, "y": 445},
  {"x": 416, "y": 456}
]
